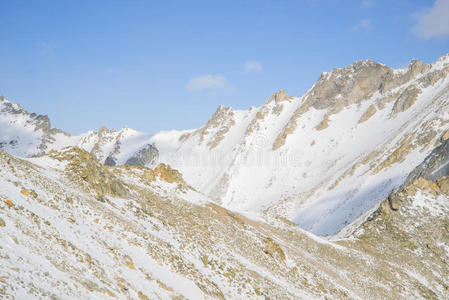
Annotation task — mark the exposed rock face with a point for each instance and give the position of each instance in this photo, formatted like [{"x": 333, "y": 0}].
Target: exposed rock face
[
  {"x": 218, "y": 125},
  {"x": 368, "y": 113},
  {"x": 359, "y": 82},
  {"x": 105, "y": 136},
  {"x": 343, "y": 87},
  {"x": 405, "y": 100},
  {"x": 392, "y": 80},
  {"x": 394, "y": 200},
  {"x": 431, "y": 176},
  {"x": 144, "y": 157},
  {"x": 445, "y": 136},
  {"x": 278, "y": 96},
  {"x": 110, "y": 161},
  {"x": 87, "y": 171},
  {"x": 324, "y": 123},
  {"x": 166, "y": 173},
  {"x": 434, "y": 166}
]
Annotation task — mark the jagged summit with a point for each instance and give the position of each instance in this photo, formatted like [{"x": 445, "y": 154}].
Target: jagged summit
[
  {"x": 213, "y": 213},
  {"x": 26, "y": 134},
  {"x": 346, "y": 143}
]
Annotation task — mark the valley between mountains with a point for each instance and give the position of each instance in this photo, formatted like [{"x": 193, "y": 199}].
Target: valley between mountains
[{"x": 340, "y": 193}]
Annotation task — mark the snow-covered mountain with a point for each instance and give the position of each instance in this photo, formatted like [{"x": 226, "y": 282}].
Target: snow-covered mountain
[
  {"x": 323, "y": 159},
  {"x": 320, "y": 160},
  {"x": 207, "y": 213},
  {"x": 72, "y": 228},
  {"x": 27, "y": 134},
  {"x": 24, "y": 134}
]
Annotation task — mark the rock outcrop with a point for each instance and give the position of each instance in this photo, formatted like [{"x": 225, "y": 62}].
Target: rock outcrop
[
  {"x": 146, "y": 156},
  {"x": 160, "y": 241},
  {"x": 434, "y": 166}
]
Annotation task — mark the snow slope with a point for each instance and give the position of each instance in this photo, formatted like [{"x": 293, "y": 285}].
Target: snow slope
[
  {"x": 71, "y": 228},
  {"x": 320, "y": 160},
  {"x": 331, "y": 166}
]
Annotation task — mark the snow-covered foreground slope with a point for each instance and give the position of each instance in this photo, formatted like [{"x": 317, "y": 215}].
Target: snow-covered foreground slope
[
  {"x": 320, "y": 160},
  {"x": 71, "y": 228}
]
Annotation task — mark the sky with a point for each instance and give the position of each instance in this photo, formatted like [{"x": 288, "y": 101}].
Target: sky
[{"x": 161, "y": 65}]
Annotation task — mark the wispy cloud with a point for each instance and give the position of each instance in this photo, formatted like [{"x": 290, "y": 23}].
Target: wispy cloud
[
  {"x": 433, "y": 22},
  {"x": 368, "y": 3},
  {"x": 207, "y": 82},
  {"x": 252, "y": 65},
  {"x": 364, "y": 24}
]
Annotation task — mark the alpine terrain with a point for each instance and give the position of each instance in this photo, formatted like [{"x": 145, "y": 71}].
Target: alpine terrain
[{"x": 340, "y": 193}]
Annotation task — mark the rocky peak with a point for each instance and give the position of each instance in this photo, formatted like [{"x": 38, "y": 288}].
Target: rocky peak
[
  {"x": 400, "y": 77},
  {"x": 37, "y": 136},
  {"x": 278, "y": 96},
  {"x": 148, "y": 155},
  {"x": 221, "y": 114},
  {"x": 416, "y": 67},
  {"x": 103, "y": 131},
  {"x": 359, "y": 81},
  {"x": 221, "y": 111},
  {"x": 219, "y": 123},
  {"x": 10, "y": 107},
  {"x": 343, "y": 87}
]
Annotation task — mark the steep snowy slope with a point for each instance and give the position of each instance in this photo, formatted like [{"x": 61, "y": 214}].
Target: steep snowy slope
[
  {"x": 71, "y": 228},
  {"x": 325, "y": 158},
  {"x": 320, "y": 160}
]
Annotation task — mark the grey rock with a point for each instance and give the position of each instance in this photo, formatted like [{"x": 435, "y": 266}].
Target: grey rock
[
  {"x": 148, "y": 155},
  {"x": 435, "y": 165},
  {"x": 110, "y": 161},
  {"x": 394, "y": 200}
]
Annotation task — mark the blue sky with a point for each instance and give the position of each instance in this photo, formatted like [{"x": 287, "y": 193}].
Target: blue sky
[{"x": 154, "y": 65}]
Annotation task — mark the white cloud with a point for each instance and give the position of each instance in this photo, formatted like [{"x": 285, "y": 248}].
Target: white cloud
[
  {"x": 252, "y": 65},
  {"x": 433, "y": 22},
  {"x": 364, "y": 24},
  {"x": 368, "y": 3},
  {"x": 206, "y": 82}
]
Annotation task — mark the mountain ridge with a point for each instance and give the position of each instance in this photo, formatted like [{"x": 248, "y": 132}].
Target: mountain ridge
[
  {"x": 213, "y": 213},
  {"x": 287, "y": 157}
]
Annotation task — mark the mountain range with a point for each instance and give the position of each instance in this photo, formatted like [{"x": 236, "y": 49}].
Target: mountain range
[{"x": 340, "y": 193}]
